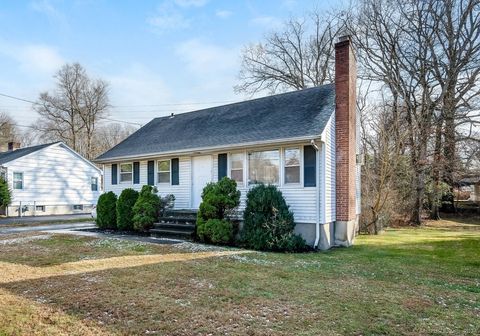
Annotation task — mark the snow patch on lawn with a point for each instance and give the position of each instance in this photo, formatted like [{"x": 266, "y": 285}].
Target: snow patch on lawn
[
  {"x": 118, "y": 244},
  {"x": 23, "y": 239}
]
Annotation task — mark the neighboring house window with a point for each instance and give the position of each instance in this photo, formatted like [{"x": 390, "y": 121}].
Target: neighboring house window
[
  {"x": 94, "y": 183},
  {"x": 236, "y": 167},
  {"x": 78, "y": 207},
  {"x": 163, "y": 171},
  {"x": 126, "y": 173},
  {"x": 17, "y": 180},
  {"x": 40, "y": 208},
  {"x": 292, "y": 165},
  {"x": 263, "y": 167}
]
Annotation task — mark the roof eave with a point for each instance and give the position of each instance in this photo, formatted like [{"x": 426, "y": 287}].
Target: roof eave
[{"x": 209, "y": 149}]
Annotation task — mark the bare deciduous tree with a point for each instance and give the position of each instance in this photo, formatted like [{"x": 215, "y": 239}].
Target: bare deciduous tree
[
  {"x": 71, "y": 112},
  {"x": 299, "y": 56},
  {"x": 109, "y": 135}
]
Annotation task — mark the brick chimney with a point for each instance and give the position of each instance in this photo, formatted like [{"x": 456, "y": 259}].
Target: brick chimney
[
  {"x": 345, "y": 138},
  {"x": 12, "y": 145}
]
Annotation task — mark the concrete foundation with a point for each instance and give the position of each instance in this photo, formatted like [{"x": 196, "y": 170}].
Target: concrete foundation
[
  {"x": 345, "y": 232},
  {"x": 45, "y": 210},
  {"x": 307, "y": 231}
]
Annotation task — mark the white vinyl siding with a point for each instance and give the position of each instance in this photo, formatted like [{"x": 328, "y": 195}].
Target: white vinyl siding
[
  {"x": 181, "y": 191},
  {"x": 302, "y": 201},
  {"x": 53, "y": 176},
  {"x": 328, "y": 173}
]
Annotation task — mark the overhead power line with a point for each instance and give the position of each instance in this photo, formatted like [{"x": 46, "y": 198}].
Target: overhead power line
[{"x": 32, "y": 102}]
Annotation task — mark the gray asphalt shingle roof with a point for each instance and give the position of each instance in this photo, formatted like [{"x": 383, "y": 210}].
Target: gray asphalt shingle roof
[
  {"x": 18, "y": 153},
  {"x": 289, "y": 115}
]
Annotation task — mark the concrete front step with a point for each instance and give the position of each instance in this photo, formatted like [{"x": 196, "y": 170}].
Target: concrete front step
[
  {"x": 178, "y": 220},
  {"x": 173, "y": 229},
  {"x": 186, "y": 213},
  {"x": 175, "y": 226},
  {"x": 171, "y": 233}
]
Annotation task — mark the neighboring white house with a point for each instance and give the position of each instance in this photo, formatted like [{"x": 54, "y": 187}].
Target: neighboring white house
[
  {"x": 304, "y": 142},
  {"x": 49, "y": 179}
]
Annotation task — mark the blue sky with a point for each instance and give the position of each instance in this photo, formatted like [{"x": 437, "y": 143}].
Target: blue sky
[{"x": 150, "y": 52}]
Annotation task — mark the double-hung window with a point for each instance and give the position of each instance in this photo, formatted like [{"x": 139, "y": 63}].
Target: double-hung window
[
  {"x": 263, "y": 167},
  {"x": 163, "y": 171},
  {"x": 292, "y": 165},
  {"x": 94, "y": 183},
  {"x": 126, "y": 173},
  {"x": 17, "y": 180},
  {"x": 236, "y": 167}
]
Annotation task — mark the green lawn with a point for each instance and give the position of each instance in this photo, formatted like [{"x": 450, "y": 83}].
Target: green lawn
[{"x": 415, "y": 281}]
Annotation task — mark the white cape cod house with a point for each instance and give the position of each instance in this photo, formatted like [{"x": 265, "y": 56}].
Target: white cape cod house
[
  {"x": 49, "y": 179},
  {"x": 304, "y": 142}
]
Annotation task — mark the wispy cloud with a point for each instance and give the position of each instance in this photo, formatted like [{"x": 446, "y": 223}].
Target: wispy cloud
[
  {"x": 265, "y": 21},
  {"x": 191, "y": 3},
  {"x": 137, "y": 85},
  {"x": 34, "y": 59},
  {"x": 47, "y": 8},
  {"x": 223, "y": 14},
  {"x": 203, "y": 57},
  {"x": 168, "y": 17},
  {"x": 289, "y": 4}
]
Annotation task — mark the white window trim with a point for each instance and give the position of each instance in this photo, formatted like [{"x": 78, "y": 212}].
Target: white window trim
[
  {"x": 169, "y": 183},
  {"x": 120, "y": 173},
  {"x": 229, "y": 166},
  {"x": 284, "y": 160},
  {"x": 13, "y": 180}
]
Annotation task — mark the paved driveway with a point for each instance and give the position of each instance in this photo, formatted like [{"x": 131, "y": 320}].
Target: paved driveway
[
  {"x": 46, "y": 227},
  {"x": 42, "y": 219}
]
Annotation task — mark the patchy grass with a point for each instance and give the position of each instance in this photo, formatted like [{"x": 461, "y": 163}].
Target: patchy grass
[
  {"x": 60, "y": 248},
  {"x": 412, "y": 281}
]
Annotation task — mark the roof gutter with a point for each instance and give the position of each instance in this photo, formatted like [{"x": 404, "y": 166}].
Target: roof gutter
[{"x": 205, "y": 149}]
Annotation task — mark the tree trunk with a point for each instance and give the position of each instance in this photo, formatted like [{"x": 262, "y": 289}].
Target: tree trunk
[{"x": 437, "y": 163}]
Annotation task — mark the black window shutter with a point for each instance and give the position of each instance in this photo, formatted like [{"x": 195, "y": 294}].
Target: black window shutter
[
  {"x": 175, "y": 172},
  {"x": 151, "y": 172},
  {"x": 114, "y": 173},
  {"x": 309, "y": 166},
  {"x": 222, "y": 166},
  {"x": 136, "y": 173}
]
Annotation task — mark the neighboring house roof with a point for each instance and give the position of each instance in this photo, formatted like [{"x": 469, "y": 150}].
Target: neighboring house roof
[
  {"x": 289, "y": 115},
  {"x": 18, "y": 153}
]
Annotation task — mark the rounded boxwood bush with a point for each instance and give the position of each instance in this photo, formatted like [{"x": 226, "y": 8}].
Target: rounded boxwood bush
[
  {"x": 145, "y": 210},
  {"x": 106, "y": 211},
  {"x": 125, "y": 204},
  {"x": 219, "y": 201},
  {"x": 217, "y": 231},
  {"x": 268, "y": 221}
]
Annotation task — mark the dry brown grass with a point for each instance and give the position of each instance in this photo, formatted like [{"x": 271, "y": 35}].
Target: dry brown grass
[{"x": 411, "y": 281}]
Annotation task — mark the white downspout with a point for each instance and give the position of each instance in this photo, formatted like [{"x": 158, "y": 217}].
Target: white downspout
[{"x": 317, "y": 194}]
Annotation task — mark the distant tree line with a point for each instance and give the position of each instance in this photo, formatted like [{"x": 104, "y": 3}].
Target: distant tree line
[{"x": 419, "y": 67}]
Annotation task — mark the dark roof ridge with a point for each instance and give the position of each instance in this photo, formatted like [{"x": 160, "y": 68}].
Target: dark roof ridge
[{"x": 243, "y": 101}]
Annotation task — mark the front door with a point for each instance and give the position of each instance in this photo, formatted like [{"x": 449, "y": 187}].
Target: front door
[{"x": 201, "y": 175}]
